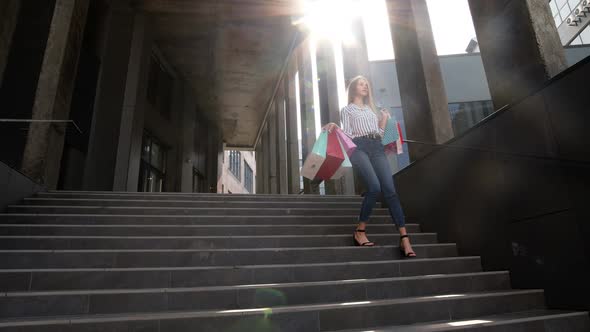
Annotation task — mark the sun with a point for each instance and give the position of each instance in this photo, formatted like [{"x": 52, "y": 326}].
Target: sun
[{"x": 330, "y": 19}]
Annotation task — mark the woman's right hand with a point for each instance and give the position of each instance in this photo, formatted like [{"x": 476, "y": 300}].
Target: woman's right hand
[{"x": 330, "y": 126}]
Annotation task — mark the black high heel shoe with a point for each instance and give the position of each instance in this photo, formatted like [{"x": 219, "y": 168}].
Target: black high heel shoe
[
  {"x": 364, "y": 244},
  {"x": 405, "y": 254}
]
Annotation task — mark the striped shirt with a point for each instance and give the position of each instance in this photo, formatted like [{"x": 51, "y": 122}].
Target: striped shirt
[{"x": 357, "y": 121}]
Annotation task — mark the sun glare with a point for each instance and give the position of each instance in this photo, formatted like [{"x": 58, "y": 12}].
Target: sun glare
[
  {"x": 315, "y": 87},
  {"x": 452, "y": 25},
  {"x": 469, "y": 322},
  {"x": 331, "y": 19},
  {"x": 377, "y": 30}
]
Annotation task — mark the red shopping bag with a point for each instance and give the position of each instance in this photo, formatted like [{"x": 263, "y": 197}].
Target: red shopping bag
[
  {"x": 334, "y": 158},
  {"x": 316, "y": 158},
  {"x": 345, "y": 166}
]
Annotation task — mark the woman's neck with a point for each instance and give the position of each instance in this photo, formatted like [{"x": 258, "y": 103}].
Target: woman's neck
[{"x": 358, "y": 101}]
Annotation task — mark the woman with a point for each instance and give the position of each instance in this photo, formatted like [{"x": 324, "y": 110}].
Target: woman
[{"x": 361, "y": 122}]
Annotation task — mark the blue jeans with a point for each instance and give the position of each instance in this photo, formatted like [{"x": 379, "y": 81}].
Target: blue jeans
[{"x": 371, "y": 164}]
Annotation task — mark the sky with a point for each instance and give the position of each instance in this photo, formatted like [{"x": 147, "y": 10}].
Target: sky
[{"x": 451, "y": 24}]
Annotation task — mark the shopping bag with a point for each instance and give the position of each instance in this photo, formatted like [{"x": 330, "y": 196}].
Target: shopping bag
[
  {"x": 346, "y": 164},
  {"x": 400, "y": 139},
  {"x": 397, "y": 145},
  {"x": 316, "y": 158},
  {"x": 334, "y": 158},
  {"x": 346, "y": 142},
  {"x": 390, "y": 133}
]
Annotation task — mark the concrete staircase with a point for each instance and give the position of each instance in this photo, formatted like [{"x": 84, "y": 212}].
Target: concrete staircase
[{"x": 97, "y": 261}]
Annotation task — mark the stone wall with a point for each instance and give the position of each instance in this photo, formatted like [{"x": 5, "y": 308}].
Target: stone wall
[
  {"x": 14, "y": 186},
  {"x": 514, "y": 190}
]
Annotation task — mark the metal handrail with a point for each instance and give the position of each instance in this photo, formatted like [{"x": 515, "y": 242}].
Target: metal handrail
[
  {"x": 463, "y": 147},
  {"x": 41, "y": 121}
]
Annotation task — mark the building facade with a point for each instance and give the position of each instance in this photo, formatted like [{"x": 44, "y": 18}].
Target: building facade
[
  {"x": 466, "y": 88},
  {"x": 239, "y": 172},
  {"x": 572, "y": 18},
  {"x": 116, "y": 95},
  {"x": 122, "y": 116}
]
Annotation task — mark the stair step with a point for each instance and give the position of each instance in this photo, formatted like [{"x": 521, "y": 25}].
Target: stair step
[
  {"x": 36, "y": 201},
  {"x": 196, "y": 196},
  {"x": 120, "y": 261},
  {"x": 60, "y": 303},
  {"x": 107, "y": 258},
  {"x": 197, "y": 242},
  {"x": 88, "y": 219},
  {"x": 165, "y": 277},
  {"x": 139, "y": 210},
  {"x": 185, "y": 230},
  {"x": 534, "y": 321},
  {"x": 309, "y": 318}
]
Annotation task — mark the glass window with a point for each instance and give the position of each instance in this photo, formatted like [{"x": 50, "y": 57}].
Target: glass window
[
  {"x": 585, "y": 35},
  {"x": 152, "y": 170},
  {"x": 156, "y": 157},
  {"x": 554, "y": 9},
  {"x": 577, "y": 41},
  {"x": 560, "y": 3},
  {"x": 235, "y": 164},
  {"x": 573, "y": 4},
  {"x": 248, "y": 178},
  {"x": 565, "y": 11},
  {"x": 146, "y": 150},
  {"x": 466, "y": 115}
]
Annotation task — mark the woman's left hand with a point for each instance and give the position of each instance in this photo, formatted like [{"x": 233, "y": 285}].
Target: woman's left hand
[{"x": 385, "y": 114}]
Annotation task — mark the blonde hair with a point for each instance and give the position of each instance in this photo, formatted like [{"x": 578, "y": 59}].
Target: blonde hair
[{"x": 368, "y": 100}]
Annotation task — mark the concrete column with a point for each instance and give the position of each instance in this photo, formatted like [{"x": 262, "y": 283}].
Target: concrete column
[
  {"x": 330, "y": 107},
  {"x": 266, "y": 159},
  {"x": 134, "y": 105},
  {"x": 355, "y": 56},
  {"x": 9, "y": 10},
  {"x": 356, "y": 62},
  {"x": 187, "y": 142},
  {"x": 307, "y": 109},
  {"x": 258, "y": 154},
  {"x": 219, "y": 161},
  {"x": 282, "y": 140},
  {"x": 21, "y": 73},
  {"x": 209, "y": 160},
  {"x": 345, "y": 185},
  {"x": 273, "y": 155},
  {"x": 260, "y": 167},
  {"x": 214, "y": 159},
  {"x": 520, "y": 46},
  {"x": 99, "y": 172},
  {"x": 292, "y": 134},
  {"x": 43, "y": 150},
  {"x": 424, "y": 100}
]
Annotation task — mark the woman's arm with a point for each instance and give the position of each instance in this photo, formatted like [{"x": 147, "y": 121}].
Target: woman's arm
[
  {"x": 345, "y": 121},
  {"x": 384, "y": 117},
  {"x": 330, "y": 126}
]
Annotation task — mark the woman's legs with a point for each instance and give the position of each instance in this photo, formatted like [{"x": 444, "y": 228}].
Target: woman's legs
[
  {"x": 383, "y": 171},
  {"x": 362, "y": 163}
]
